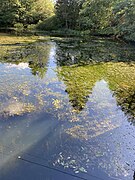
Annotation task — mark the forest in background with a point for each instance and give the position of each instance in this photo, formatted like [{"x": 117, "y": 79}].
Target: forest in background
[{"x": 114, "y": 18}]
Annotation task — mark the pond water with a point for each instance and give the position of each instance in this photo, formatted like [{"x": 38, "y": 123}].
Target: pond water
[{"x": 67, "y": 110}]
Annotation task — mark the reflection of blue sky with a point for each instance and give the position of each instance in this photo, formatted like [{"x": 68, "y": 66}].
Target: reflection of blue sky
[
  {"x": 23, "y": 134},
  {"x": 100, "y": 115},
  {"x": 17, "y": 137},
  {"x": 103, "y": 101},
  {"x": 102, "y": 131}
]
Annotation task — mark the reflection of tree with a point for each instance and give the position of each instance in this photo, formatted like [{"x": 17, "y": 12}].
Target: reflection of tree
[
  {"x": 35, "y": 54},
  {"x": 37, "y": 57},
  {"x": 127, "y": 101},
  {"x": 80, "y": 52},
  {"x": 38, "y": 68},
  {"x": 80, "y": 81}
]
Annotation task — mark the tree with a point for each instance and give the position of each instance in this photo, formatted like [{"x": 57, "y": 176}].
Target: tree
[
  {"x": 96, "y": 15},
  {"x": 114, "y": 17},
  {"x": 123, "y": 22},
  {"x": 36, "y": 10},
  {"x": 67, "y": 12},
  {"x": 24, "y": 11},
  {"x": 9, "y": 12}
]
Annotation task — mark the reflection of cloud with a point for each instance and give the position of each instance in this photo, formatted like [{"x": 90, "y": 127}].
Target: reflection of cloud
[
  {"x": 13, "y": 107},
  {"x": 19, "y": 66}
]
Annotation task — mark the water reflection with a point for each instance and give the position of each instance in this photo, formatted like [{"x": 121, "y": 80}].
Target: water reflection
[
  {"x": 108, "y": 118},
  {"x": 79, "y": 82},
  {"x": 127, "y": 102},
  {"x": 80, "y": 52},
  {"x": 19, "y": 66},
  {"x": 74, "y": 118},
  {"x": 35, "y": 54}
]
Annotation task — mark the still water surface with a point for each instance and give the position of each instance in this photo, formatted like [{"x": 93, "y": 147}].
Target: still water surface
[{"x": 67, "y": 110}]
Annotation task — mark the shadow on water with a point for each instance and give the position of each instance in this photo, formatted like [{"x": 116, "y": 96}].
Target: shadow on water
[{"x": 64, "y": 110}]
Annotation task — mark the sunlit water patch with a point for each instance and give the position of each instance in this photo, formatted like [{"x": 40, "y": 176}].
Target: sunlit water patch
[{"x": 66, "y": 118}]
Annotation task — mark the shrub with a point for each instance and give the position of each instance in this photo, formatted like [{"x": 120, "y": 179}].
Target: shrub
[{"x": 19, "y": 28}]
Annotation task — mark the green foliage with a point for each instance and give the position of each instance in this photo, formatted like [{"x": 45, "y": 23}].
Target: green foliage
[
  {"x": 95, "y": 14},
  {"x": 67, "y": 12},
  {"x": 24, "y": 11},
  {"x": 18, "y": 27},
  {"x": 48, "y": 24},
  {"x": 34, "y": 11},
  {"x": 123, "y": 22},
  {"x": 31, "y": 28},
  {"x": 9, "y": 12},
  {"x": 109, "y": 17}
]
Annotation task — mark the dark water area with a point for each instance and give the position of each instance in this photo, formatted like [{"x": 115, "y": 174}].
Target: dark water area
[{"x": 67, "y": 110}]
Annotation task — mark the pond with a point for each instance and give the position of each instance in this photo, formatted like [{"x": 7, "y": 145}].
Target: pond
[{"x": 67, "y": 109}]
